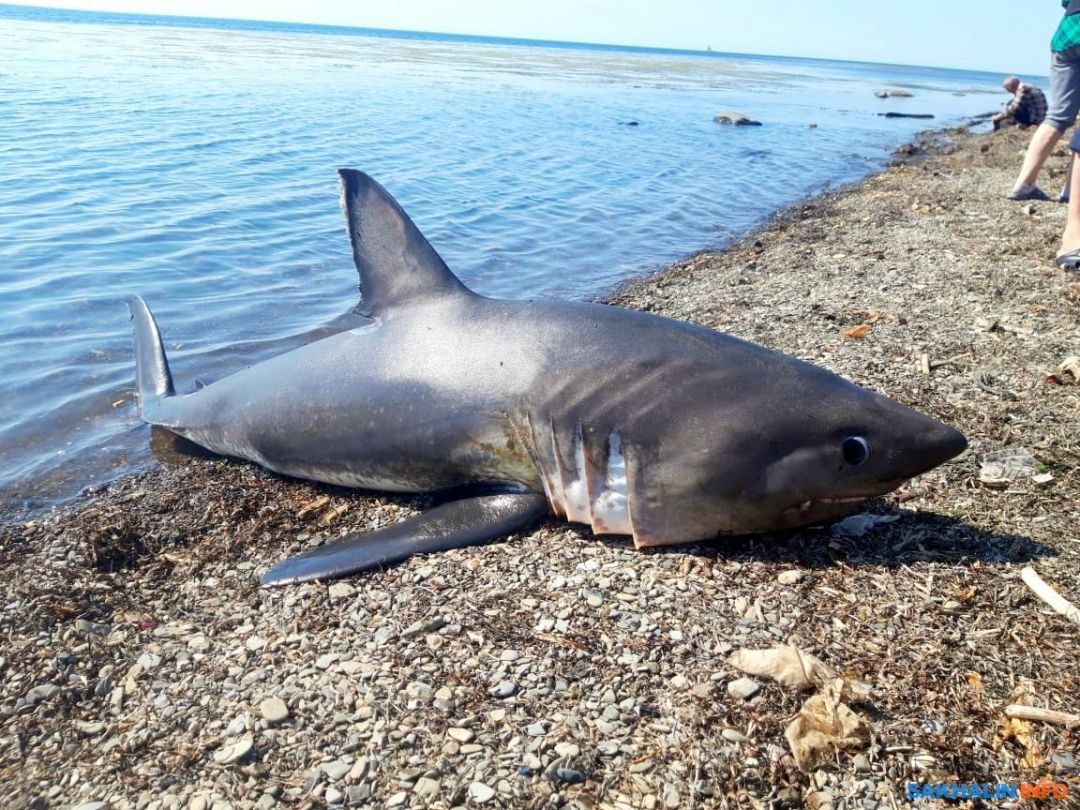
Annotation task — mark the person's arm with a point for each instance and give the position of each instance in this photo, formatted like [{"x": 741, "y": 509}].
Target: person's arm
[{"x": 1020, "y": 99}]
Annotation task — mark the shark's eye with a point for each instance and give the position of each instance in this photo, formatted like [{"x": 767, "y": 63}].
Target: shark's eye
[{"x": 856, "y": 450}]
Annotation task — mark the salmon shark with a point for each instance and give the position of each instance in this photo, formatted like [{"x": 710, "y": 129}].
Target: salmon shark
[{"x": 621, "y": 420}]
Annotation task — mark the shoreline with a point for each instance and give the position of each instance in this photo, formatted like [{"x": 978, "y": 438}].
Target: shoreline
[{"x": 149, "y": 586}]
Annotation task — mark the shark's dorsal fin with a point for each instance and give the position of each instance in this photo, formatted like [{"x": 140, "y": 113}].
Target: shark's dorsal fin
[{"x": 398, "y": 267}]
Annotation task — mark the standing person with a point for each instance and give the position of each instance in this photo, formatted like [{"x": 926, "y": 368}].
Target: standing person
[
  {"x": 1064, "y": 103},
  {"x": 1068, "y": 257},
  {"x": 1028, "y": 105}
]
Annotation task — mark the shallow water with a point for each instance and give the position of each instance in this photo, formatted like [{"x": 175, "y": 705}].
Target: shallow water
[{"x": 194, "y": 163}]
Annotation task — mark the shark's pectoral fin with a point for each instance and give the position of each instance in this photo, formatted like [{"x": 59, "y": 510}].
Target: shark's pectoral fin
[{"x": 457, "y": 524}]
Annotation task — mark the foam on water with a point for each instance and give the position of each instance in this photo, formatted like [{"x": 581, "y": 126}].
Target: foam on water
[{"x": 195, "y": 164}]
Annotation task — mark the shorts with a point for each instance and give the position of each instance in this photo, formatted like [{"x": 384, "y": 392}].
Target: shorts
[{"x": 1064, "y": 91}]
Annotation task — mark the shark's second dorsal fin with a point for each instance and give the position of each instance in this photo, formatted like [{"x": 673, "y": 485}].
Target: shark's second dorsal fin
[{"x": 398, "y": 267}]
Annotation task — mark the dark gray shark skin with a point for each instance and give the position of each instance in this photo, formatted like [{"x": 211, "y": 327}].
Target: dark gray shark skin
[{"x": 628, "y": 422}]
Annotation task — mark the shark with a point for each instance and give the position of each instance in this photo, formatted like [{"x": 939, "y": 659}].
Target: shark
[{"x": 621, "y": 420}]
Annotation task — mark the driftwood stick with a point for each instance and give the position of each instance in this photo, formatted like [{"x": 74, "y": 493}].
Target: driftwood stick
[
  {"x": 1043, "y": 715},
  {"x": 1049, "y": 595}
]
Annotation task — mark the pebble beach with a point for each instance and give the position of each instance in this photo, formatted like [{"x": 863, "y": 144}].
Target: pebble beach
[{"x": 142, "y": 666}]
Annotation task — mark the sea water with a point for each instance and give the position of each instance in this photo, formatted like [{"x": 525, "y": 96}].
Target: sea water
[{"x": 193, "y": 161}]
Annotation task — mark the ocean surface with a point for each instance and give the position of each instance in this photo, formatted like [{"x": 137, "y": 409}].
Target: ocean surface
[{"x": 193, "y": 161}]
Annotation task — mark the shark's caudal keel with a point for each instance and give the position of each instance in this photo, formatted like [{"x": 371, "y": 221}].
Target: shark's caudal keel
[{"x": 623, "y": 421}]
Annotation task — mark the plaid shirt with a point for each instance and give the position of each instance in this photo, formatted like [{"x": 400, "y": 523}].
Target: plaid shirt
[
  {"x": 1028, "y": 106},
  {"x": 1067, "y": 35}
]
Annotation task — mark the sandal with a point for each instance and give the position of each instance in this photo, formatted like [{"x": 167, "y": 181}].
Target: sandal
[
  {"x": 1069, "y": 262},
  {"x": 1034, "y": 193}
]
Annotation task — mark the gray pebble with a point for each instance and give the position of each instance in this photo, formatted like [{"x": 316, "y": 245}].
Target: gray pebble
[
  {"x": 274, "y": 710},
  {"x": 425, "y": 787},
  {"x": 743, "y": 688},
  {"x": 480, "y": 793},
  {"x": 1064, "y": 759},
  {"x": 570, "y": 776},
  {"x": 503, "y": 689},
  {"x": 234, "y": 752},
  {"x": 40, "y": 693},
  {"x": 340, "y": 590},
  {"x": 336, "y": 770}
]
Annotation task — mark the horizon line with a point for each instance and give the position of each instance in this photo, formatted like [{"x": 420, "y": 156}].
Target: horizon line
[{"x": 496, "y": 37}]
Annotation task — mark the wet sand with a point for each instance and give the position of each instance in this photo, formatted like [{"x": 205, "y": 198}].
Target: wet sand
[{"x": 558, "y": 668}]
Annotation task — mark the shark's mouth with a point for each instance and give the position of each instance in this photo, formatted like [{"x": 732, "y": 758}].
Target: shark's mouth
[{"x": 813, "y": 510}]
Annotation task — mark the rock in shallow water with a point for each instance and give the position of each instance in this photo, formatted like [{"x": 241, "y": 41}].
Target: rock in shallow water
[{"x": 736, "y": 119}]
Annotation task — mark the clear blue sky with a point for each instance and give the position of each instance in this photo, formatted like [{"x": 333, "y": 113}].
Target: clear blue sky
[{"x": 998, "y": 35}]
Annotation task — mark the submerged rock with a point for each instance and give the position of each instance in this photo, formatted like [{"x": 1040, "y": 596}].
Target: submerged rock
[{"x": 736, "y": 119}]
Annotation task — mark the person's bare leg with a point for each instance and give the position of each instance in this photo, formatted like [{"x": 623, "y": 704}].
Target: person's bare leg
[
  {"x": 1070, "y": 240},
  {"x": 1042, "y": 144}
]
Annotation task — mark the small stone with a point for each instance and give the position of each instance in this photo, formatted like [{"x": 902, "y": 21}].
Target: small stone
[
  {"x": 333, "y": 796},
  {"x": 671, "y": 797},
  {"x": 570, "y": 776},
  {"x": 255, "y": 643},
  {"x": 641, "y": 767},
  {"x": 340, "y": 590},
  {"x": 503, "y": 689},
  {"x": 397, "y": 799},
  {"x": 594, "y": 598},
  {"x": 149, "y": 661},
  {"x": 702, "y": 690},
  {"x": 324, "y": 661},
  {"x": 509, "y": 656},
  {"x": 336, "y": 770},
  {"x": 237, "y": 726},
  {"x": 861, "y": 763},
  {"x": 462, "y": 735},
  {"x": 790, "y": 577},
  {"x": 40, "y": 693},
  {"x": 358, "y": 794},
  {"x": 425, "y": 787},
  {"x": 1064, "y": 759},
  {"x": 481, "y": 793},
  {"x": 731, "y": 735},
  {"x": 536, "y": 730},
  {"x": 274, "y": 710},
  {"x": 234, "y": 752},
  {"x": 89, "y": 729},
  {"x": 567, "y": 749},
  {"x": 359, "y": 770},
  {"x": 424, "y": 626},
  {"x": 743, "y": 688},
  {"x": 93, "y": 806}
]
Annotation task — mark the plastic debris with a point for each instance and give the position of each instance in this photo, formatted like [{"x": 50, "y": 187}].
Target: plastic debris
[
  {"x": 1000, "y": 468},
  {"x": 788, "y": 666},
  {"x": 859, "y": 525}
]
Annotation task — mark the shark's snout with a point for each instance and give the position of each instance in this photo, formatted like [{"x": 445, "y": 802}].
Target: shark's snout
[{"x": 940, "y": 445}]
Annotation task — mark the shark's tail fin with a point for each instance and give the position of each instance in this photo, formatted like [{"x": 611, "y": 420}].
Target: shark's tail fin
[{"x": 151, "y": 366}]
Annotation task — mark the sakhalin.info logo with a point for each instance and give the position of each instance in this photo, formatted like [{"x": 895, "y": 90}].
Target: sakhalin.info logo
[{"x": 1001, "y": 790}]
